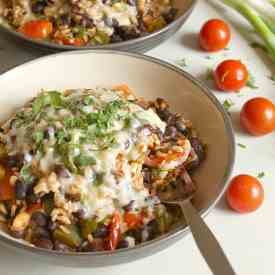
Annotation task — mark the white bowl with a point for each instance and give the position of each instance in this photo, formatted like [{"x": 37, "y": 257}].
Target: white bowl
[{"x": 149, "y": 78}]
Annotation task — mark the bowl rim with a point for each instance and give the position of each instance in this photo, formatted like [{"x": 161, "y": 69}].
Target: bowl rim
[
  {"x": 115, "y": 46},
  {"x": 179, "y": 230}
]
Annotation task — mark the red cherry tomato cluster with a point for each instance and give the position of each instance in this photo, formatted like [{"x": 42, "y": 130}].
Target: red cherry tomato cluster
[{"x": 257, "y": 117}]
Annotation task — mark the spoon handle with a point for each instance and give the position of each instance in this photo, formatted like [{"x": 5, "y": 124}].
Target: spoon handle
[{"x": 206, "y": 241}]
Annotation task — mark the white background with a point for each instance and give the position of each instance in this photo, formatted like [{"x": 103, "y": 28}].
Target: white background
[{"x": 248, "y": 240}]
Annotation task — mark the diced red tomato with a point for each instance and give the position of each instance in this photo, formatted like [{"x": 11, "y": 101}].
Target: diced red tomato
[
  {"x": 7, "y": 191},
  {"x": 37, "y": 29},
  {"x": 132, "y": 220}
]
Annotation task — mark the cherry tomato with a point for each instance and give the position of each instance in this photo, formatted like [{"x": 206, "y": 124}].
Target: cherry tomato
[
  {"x": 245, "y": 194},
  {"x": 114, "y": 233},
  {"x": 37, "y": 29},
  {"x": 258, "y": 116},
  {"x": 215, "y": 35},
  {"x": 231, "y": 75}
]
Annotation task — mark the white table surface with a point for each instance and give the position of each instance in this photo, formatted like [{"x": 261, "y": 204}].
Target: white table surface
[{"x": 248, "y": 240}]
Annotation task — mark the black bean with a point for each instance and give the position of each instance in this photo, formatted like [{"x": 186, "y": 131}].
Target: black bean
[
  {"x": 1, "y": 130},
  {"x": 127, "y": 33},
  {"x": 12, "y": 161},
  {"x": 164, "y": 114},
  {"x": 20, "y": 189},
  {"x": 171, "y": 15},
  {"x": 61, "y": 171},
  {"x": 41, "y": 232},
  {"x": 198, "y": 147},
  {"x": 136, "y": 234},
  {"x": 43, "y": 243},
  {"x": 38, "y": 7},
  {"x": 152, "y": 228},
  {"x": 129, "y": 206},
  {"x": 65, "y": 19},
  {"x": 171, "y": 132},
  {"x": 115, "y": 38},
  {"x": 40, "y": 218},
  {"x": 123, "y": 244},
  {"x": 101, "y": 231},
  {"x": 31, "y": 197}
]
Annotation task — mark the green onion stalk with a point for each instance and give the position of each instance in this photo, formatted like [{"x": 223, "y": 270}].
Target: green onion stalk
[{"x": 261, "y": 15}]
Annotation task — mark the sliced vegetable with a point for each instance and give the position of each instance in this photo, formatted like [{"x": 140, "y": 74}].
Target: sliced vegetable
[
  {"x": 245, "y": 194},
  {"x": 69, "y": 236},
  {"x": 88, "y": 227},
  {"x": 114, "y": 233},
  {"x": 231, "y": 75},
  {"x": 37, "y": 29},
  {"x": 258, "y": 116},
  {"x": 215, "y": 35}
]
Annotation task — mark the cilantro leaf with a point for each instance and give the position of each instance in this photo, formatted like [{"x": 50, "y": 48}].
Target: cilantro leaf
[
  {"x": 51, "y": 98},
  {"x": 261, "y": 175},
  {"x": 83, "y": 160},
  {"x": 26, "y": 175},
  {"x": 227, "y": 104},
  {"x": 241, "y": 145}
]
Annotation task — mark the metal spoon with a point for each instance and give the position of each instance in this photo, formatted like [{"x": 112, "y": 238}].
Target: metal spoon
[{"x": 208, "y": 245}]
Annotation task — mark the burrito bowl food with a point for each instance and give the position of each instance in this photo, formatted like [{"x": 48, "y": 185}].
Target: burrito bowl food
[
  {"x": 86, "y": 22},
  {"x": 81, "y": 169}
]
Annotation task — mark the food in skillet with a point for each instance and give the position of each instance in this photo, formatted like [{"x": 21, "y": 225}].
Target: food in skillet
[
  {"x": 81, "y": 169},
  {"x": 86, "y": 22}
]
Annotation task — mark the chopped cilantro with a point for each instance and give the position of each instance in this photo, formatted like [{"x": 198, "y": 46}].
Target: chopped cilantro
[
  {"x": 61, "y": 136},
  {"x": 38, "y": 136},
  {"x": 209, "y": 74},
  {"x": 181, "y": 63},
  {"x": 88, "y": 100},
  {"x": 73, "y": 122},
  {"x": 83, "y": 160},
  {"x": 208, "y": 57},
  {"x": 261, "y": 175},
  {"x": 227, "y": 104},
  {"x": 241, "y": 145},
  {"x": 52, "y": 98},
  {"x": 251, "y": 82},
  {"x": 272, "y": 78}
]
